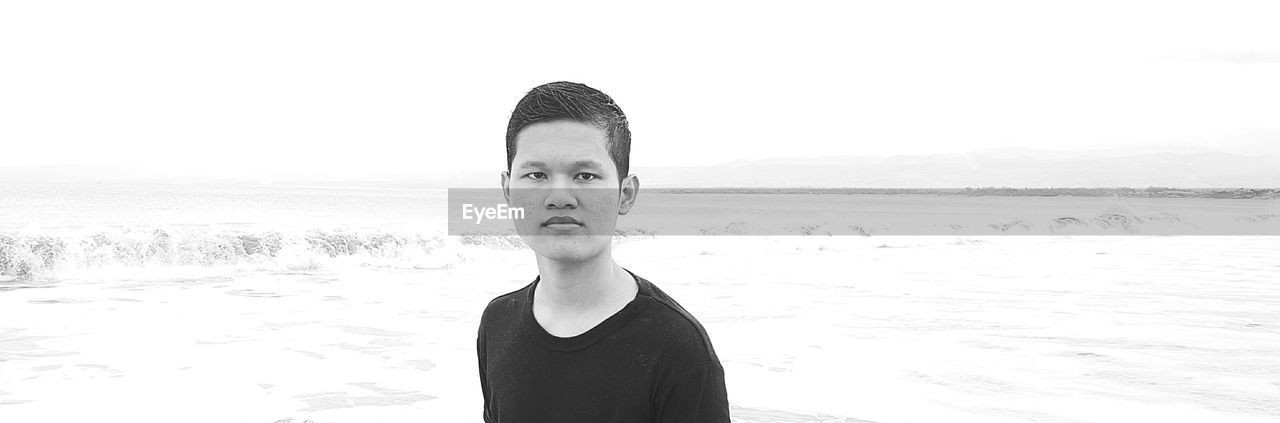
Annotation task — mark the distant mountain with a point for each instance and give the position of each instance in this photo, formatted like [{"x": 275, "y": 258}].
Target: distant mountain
[
  {"x": 984, "y": 169},
  {"x": 987, "y": 168}
]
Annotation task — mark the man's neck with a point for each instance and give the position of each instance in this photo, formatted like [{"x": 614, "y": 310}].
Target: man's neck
[{"x": 573, "y": 287}]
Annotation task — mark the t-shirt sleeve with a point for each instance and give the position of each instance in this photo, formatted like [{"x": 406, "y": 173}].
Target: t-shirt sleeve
[
  {"x": 484, "y": 380},
  {"x": 696, "y": 397}
]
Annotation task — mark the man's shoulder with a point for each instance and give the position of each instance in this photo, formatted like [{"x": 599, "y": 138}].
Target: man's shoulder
[
  {"x": 506, "y": 305},
  {"x": 679, "y": 330}
]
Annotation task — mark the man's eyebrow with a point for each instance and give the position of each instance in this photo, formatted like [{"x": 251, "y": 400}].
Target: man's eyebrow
[{"x": 588, "y": 164}]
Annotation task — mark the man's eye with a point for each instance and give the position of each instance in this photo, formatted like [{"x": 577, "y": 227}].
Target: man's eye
[
  {"x": 588, "y": 176},
  {"x": 536, "y": 175}
]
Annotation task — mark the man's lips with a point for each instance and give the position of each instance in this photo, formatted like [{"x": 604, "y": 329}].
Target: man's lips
[{"x": 561, "y": 220}]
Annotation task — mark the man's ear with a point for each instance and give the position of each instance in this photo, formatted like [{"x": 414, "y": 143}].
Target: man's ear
[
  {"x": 506, "y": 185},
  {"x": 629, "y": 190}
]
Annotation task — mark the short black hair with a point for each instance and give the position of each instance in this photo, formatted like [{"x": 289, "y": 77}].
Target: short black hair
[{"x": 575, "y": 102}]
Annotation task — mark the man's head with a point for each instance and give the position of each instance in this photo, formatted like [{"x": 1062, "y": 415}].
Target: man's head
[
  {"x": 567, "y": 148},
  {"x": 574, "y": 102}
]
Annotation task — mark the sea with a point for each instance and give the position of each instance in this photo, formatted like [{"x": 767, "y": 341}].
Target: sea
[{"x": 219, "y": 302}]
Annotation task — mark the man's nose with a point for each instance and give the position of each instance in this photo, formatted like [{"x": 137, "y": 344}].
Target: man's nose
[{"x": 561, "y": 196}]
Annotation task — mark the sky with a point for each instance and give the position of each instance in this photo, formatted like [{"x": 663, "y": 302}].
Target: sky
[{"x": 285, "y": 87}]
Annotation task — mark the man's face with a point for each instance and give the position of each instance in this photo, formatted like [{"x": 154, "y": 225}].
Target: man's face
[{"x": 562, "y": 172}]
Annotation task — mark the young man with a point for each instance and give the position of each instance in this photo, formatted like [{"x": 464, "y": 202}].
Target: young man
[{"x": 586, "y": 341}]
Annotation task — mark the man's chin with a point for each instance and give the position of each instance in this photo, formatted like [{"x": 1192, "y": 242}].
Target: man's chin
[{"x": 567, "y": 248}]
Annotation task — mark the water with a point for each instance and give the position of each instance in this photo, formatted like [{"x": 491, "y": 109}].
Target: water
[
  {"x": 31, "y": 205},
  {"x": 828, "y": 329}
]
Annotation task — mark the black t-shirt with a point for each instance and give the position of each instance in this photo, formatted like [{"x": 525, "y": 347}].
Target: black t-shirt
[{"x": 649, "y": 362}]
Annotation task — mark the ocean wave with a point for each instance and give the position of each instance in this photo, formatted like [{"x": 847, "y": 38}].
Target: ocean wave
[
  {"x": 32, "y": 255},
  {"x": 28, "y": 256}
]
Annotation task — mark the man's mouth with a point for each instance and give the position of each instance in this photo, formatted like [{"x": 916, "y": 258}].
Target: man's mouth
[{"x": 561, "y": 221}]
